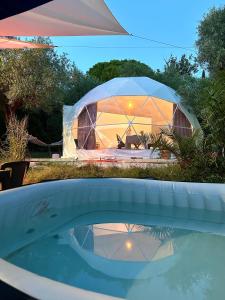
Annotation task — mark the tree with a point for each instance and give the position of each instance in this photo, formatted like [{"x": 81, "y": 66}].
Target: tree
[
  {"x": 32, "y": 78},
  {"x": 211, "y": 40},
  {"x": 119, "y": 68},
  {"x": 191, "y": 89},
  {"x": 213, "y": 112},
  {"x": 80, "y": 85},
  {"x": 177, "y": 71},
  {"x": 184, "y": 66},
  {"x": 48, "y": 124}
]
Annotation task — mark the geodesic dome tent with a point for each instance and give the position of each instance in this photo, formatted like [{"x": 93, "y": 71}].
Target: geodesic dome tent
[{"x": 115, "y": 119}]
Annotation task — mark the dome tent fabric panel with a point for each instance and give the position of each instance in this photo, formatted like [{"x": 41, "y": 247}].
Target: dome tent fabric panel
[
  {"x": 86, "y": 138},
  {"x": 126, "y": 86},
  {"x": 69, "y": 149},
  {"x": 63, "y": 18},
  {"x": 190, "y": 116},
  {"x": 129, "y": 109}
]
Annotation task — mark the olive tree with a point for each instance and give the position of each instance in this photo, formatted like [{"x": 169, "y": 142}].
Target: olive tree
[
  {"x": 211, "y": 40},
  {"x": 32, "y": 78}
]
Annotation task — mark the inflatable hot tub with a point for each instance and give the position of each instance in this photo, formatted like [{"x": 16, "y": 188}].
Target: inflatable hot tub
[{"x": 113, "y": 239}]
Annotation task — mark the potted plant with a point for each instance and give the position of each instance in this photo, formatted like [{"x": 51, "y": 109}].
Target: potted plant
[{"x": 165, "y": 154}]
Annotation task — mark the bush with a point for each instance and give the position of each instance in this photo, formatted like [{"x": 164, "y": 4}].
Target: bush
[{"x": 15, "y": 145}]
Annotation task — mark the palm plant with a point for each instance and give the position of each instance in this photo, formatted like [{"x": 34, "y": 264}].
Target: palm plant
[
  {"x": 144, "y": 138},
  {"x": 161, "y": 233},
  {"x": 184, "y": 148}
]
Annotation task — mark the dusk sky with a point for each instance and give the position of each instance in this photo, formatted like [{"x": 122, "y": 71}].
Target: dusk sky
[{"x": 174, "y": 22}]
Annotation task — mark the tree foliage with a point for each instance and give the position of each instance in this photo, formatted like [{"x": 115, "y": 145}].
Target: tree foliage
[
  {"x": 105, "y": 71},
  {"x": 32, "y": 78},
  {"x": 37, "y": 82},
  {"x": 177, "y": 72},
  {"x": 48, "y": 124},
  {"x": 80, "y": 85},
  {"x": 213, "y": 112},
  {"x": 183, "y": 66},
  {"x": 211, "y": 40}
]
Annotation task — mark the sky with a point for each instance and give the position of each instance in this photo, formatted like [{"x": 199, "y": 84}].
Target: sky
[{"x": 170, "y": 21}]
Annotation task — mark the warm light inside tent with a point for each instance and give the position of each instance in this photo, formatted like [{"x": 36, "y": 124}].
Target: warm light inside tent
[{"x": 130, "y": 105}]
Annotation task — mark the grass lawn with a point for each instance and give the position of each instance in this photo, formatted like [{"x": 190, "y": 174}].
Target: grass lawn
[{"x": 44, "y": 172}]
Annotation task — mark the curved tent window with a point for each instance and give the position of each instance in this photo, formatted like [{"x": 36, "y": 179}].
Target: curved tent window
[{"x": 125, "y": 122}]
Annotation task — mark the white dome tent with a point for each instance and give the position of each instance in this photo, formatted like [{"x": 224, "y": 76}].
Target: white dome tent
[{"x": 115, "y": 118}]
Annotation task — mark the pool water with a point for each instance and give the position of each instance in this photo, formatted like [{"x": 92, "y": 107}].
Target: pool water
[{"x": 134, "y": 252}]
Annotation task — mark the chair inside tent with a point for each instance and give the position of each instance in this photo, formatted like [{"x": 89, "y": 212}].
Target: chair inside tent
[{"x": 117, "y": 118}]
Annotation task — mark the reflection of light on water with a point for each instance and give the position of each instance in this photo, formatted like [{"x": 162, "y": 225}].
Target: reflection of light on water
[{"x": 129, "y": 245}]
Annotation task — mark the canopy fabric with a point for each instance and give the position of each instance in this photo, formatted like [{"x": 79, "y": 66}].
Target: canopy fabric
[
  {"x": 13, "y": 7},
  {"x": 63, "y": 18},
  {"x": 123, "y": 109},
  {"x": 8, "y": 43}
]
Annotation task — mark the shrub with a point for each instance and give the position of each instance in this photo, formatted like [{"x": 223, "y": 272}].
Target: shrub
[{"x": 15, "y": 144}]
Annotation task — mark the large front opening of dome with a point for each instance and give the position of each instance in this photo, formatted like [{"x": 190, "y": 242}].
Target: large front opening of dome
[{"x": 126, "y": 122}]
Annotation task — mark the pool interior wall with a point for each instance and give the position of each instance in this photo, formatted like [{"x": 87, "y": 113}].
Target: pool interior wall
[{"x": 30, "y": 212}]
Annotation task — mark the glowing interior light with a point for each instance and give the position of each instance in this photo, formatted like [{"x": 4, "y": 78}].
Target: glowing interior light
[
  {"x": 130, "y": 105},
  {"x": 129, "y": 245}
]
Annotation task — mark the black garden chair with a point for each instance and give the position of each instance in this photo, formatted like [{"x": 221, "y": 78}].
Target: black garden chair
[{"x": 18, "y": 170}]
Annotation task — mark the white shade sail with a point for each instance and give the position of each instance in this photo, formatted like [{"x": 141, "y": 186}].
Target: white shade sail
[
  {"x": 63, "y": 18},
  {"x": 7, "y": 43}
]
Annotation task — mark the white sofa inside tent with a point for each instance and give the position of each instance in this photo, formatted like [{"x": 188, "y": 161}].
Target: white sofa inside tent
[{"x": 115, "y": 119}]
